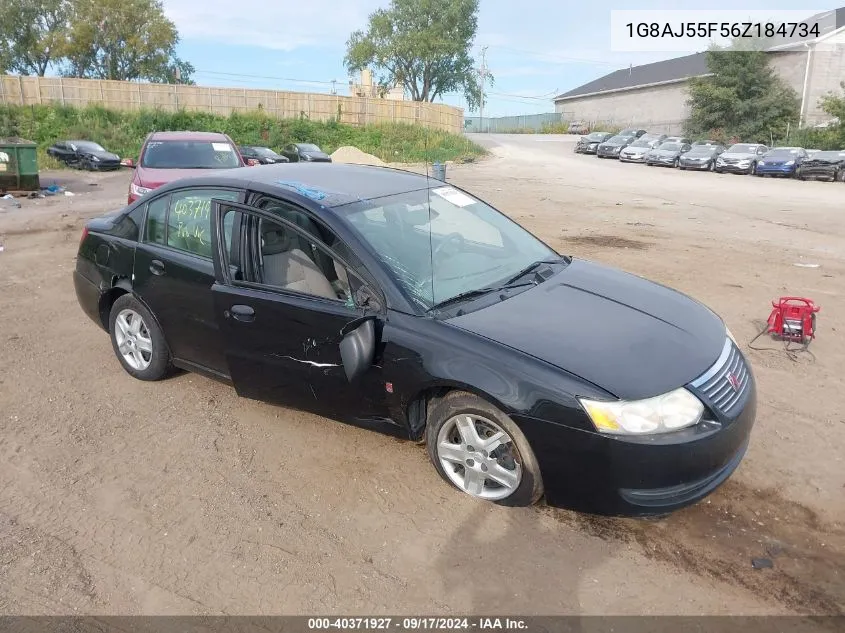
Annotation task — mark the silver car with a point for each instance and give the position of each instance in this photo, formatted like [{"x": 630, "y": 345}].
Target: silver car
[{"x": 741, "y": 158}]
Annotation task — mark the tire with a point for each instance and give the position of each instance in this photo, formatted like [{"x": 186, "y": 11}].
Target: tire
[
  {"x": 712, "y": 166},
  {"x": 147, "y": 335},
  {"x": 677, "y": 163},
  {"x": 753, "y": 169},
  {"x": 442, "y": 432}
]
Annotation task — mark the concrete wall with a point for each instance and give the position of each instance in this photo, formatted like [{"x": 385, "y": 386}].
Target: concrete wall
[
  {"x": 660, "y": 108},
  {"x": 827, "y": 70}
]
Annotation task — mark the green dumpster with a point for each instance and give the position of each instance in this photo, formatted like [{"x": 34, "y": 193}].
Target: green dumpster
[{"x": 18, "y": 165}]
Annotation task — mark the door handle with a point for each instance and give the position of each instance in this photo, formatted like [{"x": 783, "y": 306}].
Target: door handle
[
  {"x": 157, "y": 267},
  {"x": 242, "y": 313}
]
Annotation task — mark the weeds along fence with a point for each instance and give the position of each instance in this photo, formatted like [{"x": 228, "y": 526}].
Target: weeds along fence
[
  {"x": 513, "y": 124},
  {"x": 130, "y": 95}
]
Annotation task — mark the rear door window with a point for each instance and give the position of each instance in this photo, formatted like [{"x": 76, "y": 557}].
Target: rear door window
[{"x": 189, "y": 219}]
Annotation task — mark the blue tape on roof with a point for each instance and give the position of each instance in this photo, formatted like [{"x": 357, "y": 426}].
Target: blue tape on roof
[{"x": 308, "y": 192}]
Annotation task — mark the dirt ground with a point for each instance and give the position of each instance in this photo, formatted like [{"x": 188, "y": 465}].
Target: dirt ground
[{"x": 124, "y": 497}]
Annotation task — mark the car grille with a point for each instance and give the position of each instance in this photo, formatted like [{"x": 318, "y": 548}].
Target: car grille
[
  {"x": 722, "y": 393},
  {"x": 731, "y": 161}
]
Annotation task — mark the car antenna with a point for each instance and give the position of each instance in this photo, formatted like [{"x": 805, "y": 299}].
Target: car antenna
[{"x": 428, "y": 196}]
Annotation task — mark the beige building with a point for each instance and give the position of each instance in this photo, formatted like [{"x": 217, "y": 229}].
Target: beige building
[
  {"x": 654, "y": 95},
  {"x": 366, "y": 87}
]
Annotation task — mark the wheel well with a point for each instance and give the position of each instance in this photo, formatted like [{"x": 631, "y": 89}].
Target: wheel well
[
  {"x": 107, "y": 301},
  {"x": 419, "y": 408}
]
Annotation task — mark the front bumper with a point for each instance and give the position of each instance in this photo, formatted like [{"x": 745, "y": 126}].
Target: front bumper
[
  {"x": 776, "y": 170},
  {"x": 695, "y": 165},
  {"x": 662, "y": 162},
  {"x": 640, "y": 158},
  {"x": 737, "y": 169},
  {"x": 625, "y": 476},
  {"x": 607, "y": 153}
]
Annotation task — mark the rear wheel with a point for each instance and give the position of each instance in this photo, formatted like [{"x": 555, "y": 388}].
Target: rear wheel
[
  {"x": 480, "y": 450},
  {"x": 137, "y": 340},
  {"x": 712, "y": 166},
  {"x": 753, "y": 169}
]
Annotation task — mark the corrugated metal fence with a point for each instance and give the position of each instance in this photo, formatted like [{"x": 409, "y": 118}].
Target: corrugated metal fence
[
  {"x": 130, "y": 95},
  {"x": 505, "y": 124}
]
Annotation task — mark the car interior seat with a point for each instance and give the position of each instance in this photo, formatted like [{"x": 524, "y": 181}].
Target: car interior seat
[{"x": 286, "y": 265}]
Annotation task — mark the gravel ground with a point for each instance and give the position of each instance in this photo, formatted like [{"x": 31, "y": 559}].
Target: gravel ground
[{"x": 124, "y": 497}]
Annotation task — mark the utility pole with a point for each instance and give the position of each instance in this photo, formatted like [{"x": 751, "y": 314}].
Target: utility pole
[{"x": 482, "y": 77}]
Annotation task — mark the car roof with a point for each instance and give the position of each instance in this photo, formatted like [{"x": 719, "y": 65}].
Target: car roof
[
  {"x": 329, "y": 184},
  {"x": 188, "y": 136}
]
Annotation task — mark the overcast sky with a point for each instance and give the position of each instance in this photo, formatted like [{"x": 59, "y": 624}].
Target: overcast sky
[{"x": 536, "y": 48}]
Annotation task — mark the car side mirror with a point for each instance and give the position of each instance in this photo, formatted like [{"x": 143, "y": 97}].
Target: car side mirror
[{"x": 358, "y": 346}]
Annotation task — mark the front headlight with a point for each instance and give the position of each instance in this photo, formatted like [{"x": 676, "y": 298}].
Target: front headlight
[
  {"x": 675, "y": 410},
  {"x": 95, "y": 159},
  {"x": 762, "y": 162},
  {"x": 137, "y": 190},
  {"x": 787, "y": 163}
]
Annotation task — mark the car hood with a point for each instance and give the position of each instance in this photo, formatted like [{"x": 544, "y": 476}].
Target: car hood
[
  {"x": 737, "y": 155},
  {"x": 632, "y": 337},
  {"x": 322, "y": 155},
  {"x": 664, "y": 152},
  {"x": 636, "y": 150},
  {"x": 812, "y": 162},
  {"x": 101, "y": 155},
  {"x": 153, "y": 178},
  {"x": 697, "y": 156}
]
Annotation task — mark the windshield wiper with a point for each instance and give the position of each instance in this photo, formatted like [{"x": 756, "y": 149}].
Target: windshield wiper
[
  {"x": 478, "y": 292},
  {"x": 530, "y": 268}
]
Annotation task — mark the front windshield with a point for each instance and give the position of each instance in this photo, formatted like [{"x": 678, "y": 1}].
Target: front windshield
[
  {"x": 670, "y": 146},
  {"x": 264, "y": 151},
  {"x": 703, "y": 150},
  {"x": 829, "y": 155},
  {"x": 189, "y": 155},
  {"x": 641, "y": 143},
  {"x": 308, "y": 147},
  {"x": 742, "y": 148},
  {"x": 89, "y": 146},
  {"x": 443, "y": 243},
  {"x": 618, "y": 140},
  {"x": 597, "y": 136}
]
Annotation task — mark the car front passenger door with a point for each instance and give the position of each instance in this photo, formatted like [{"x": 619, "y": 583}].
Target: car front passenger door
[{"x": 289, "y": 336}]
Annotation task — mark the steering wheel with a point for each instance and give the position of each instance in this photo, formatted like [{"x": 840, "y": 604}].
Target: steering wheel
[{"x": 453, "y": 240}]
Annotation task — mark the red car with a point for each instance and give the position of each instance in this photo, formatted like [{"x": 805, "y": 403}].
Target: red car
[{"x": 168, "y": 156}]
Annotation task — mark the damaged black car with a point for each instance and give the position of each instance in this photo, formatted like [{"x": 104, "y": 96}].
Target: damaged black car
[{"x": 399, "y": 303}]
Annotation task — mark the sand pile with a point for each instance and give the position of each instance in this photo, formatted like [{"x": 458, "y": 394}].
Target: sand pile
[{"x": 350, "y": 154}]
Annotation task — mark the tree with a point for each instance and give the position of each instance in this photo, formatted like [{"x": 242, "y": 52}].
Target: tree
[
  {"x": 122, "y": 39},
  {"x": 31, "y": 34},
  {"x": 422, "y": 45},
  {"x": 743, "y": 97}
]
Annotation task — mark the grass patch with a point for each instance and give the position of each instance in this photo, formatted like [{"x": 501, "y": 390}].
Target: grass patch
[{"x": 124, "y": 132}]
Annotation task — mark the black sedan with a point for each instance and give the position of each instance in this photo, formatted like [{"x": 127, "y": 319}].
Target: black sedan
[
  {"x": 701, "y": 157},
  {"x": 612, "y": 146},
  {"x": 84, "y": 155},
  {"x": 307, "y": 152},
  {"x": 823, "y": 166},
  {"x": 667, "y": 154},
  {"x": 258, "y": 155},
  {"x": 590, "y": 143},
  {"x": 395, "y": 302}
]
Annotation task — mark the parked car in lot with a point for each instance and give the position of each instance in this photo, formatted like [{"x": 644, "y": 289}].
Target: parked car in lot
[
  {"x": 683, "y": 140},
  {"x": 741, "y": 158},
  {"x": 589, "y": 144},
  {"x": 637, "y": 151},
  {"x": 781, "y": 161},
  {"x": 578, "y": 127},
  {"x": 823, "y": 166},
  {"x": 169, "y": 156},
  {"x": 84, "y": 155},
  {"x": 612, "y": 146},
  {"x": 632, "y": 131},
  {"x": 667, "y": 154},
  {"x": 707, "y": 142},
  {"x": 260, "y": 155},
  {"x": 391, "y": 301},
  {"x": 701, "y": 157},
  {"x": 307, "y": 152}
]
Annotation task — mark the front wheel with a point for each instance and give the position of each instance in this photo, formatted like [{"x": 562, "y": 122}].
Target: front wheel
[
  {"x": 712, "y": 166},
  {"x": 481, "y": 451},
  {"x": 137, "y": 340},
  {"x": 753, "y": 169},
  {"x": 677, "y": 163}
]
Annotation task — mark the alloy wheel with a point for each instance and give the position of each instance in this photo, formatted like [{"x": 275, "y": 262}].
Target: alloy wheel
[
  {"x": 134, "y": 342},
  {"x": 479, "y": 457}
]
